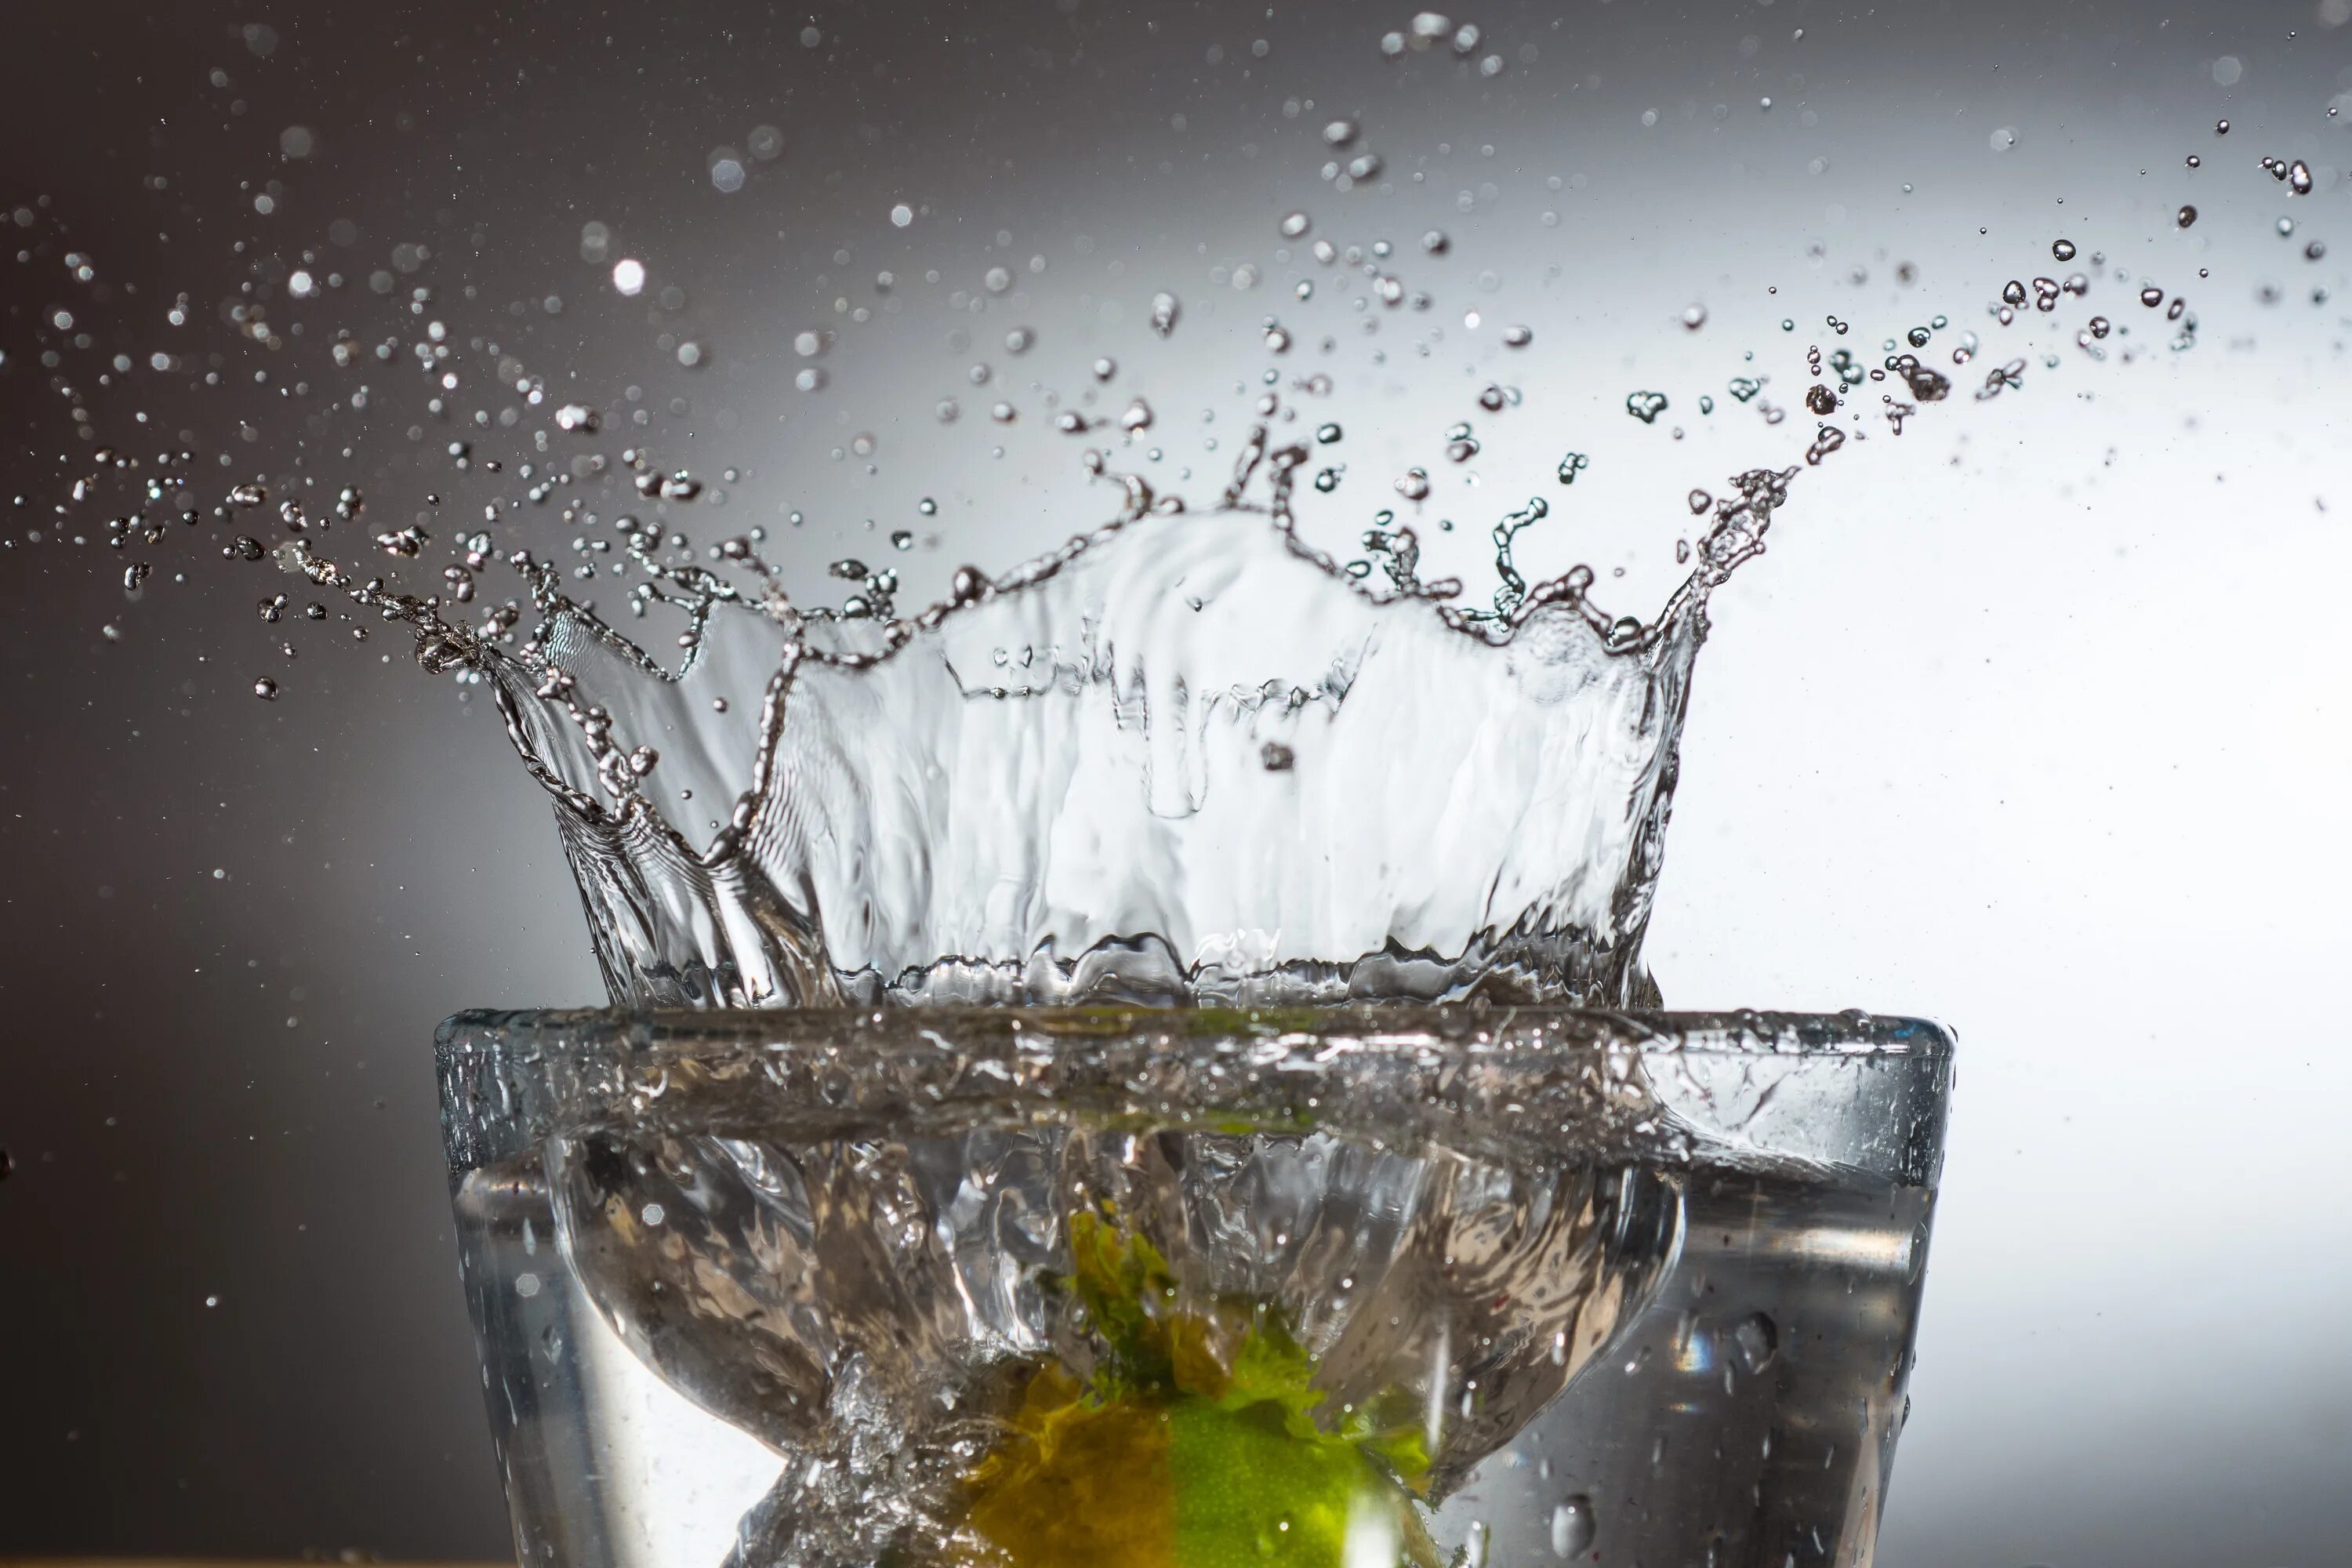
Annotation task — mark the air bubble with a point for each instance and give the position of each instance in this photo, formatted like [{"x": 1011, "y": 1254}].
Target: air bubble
[{"x": 1574, "y": 1527}]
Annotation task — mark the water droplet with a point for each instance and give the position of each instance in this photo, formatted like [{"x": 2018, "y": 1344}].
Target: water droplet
[
  {"x": 2221, "y": 128},
  {"x": 1295, "y": 225},
  {"x": 1413, "y": 484},
  {"x": 1341, "y": 133},
  {"x": 1645, "y": 405},
  {"x": 1164, "y": 311},
  {"x": 1694, "y": 316},
  {"x": 1019, "y": 340},
  {"x": 1573, "y": 464},
  {"x": 1327, "y": 434},
  {"x": 901, "y": 215},
  {"x": 1104, "y": 369},
  {"x": 2186, "y": 216},
  {"x": 1698, "y": 501},
  {"x": 1517, "y": 337},
  {"x": 2151, "y": 298},
  {"x": 1275, "y": 757},
  {"x": 1572, "y": 1527},
  {"x": 629, "y": 275},
  {"x": 1136, "y": 419},
  {"x": 2012, "y": 292},
  {"x": 576, "y": 416},
  {"x": 1435, "y": 243},
  {"x": 2064, "y": 250},
  {"x": 266, "y": 689}
]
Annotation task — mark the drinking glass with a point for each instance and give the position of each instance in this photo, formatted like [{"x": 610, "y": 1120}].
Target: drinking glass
[{"x": 1365, "y": 1285}]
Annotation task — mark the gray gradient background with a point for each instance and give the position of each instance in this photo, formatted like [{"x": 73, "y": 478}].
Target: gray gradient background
[{"x": 2035, "y": 721}]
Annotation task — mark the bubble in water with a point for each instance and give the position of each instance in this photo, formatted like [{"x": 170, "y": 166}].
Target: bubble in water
[
  {"x": 1574, "y": 1527},
  {"x": 1275, "y": 757},
  {"x": 2285, "y": 227},
  {"x": 1645, "y": 405},
  {"x": 765, "y": 142},
  {"x": 1435, "y": 243},
  {"x": 1327, "y": 434},
  {"x": 248, "y": 495},
  {"x": 1106, "y": 368},
  {"x": 727, "y": 172},
  {"x": 1277, "y": 339},
  {"x": 1295, "y": 225},
  {"x": 1758, "y": 1338},
  {"x": 1413, "y": 484},
  {"x": 1571, "y": 465},
  {"x": 1164, "y": 311},
  {"x": 2298, "y": 178},
  {"x": 2315, "y": 250},
  {"x": 902, "y": 215},
  {"x": 2186, "y": 216},
  {"x": 2100, "y": 326},
  {"x": 1137, "y": 417},
  {"x": 948, "y": 410},
  {"x": 2012, "y": 292},
  {"x": 2151, "y": 298},
  {"x": 1693, "y": 316},
  {"x": 576, "y": 416},
  {"x": 266, "y": 689},
  {"x": 629, "y": 275},
  {"x": 1342, "y": 133},
  {"x": 1517, "y": 337},
  {"x": 1429, "y": 27},
  {"x": 2195, "y": 162},
  {"x": 997, "y": 279},
  {"x": 2221, "y": 128},
  {"x": 1019, "y": 340},
  {"x": 811, "y": 378},
  {"x": 2062, "y": 249},
  {"x": 1327, "y": 479},
  {"x": 1698, "y": 501}
]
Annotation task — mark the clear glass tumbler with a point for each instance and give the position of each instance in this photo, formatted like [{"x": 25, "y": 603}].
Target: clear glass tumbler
[{"x": 1367, "y": 1287}]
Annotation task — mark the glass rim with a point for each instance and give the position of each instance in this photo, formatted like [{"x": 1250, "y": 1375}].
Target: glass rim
[
  {"x": 1850, "y": 1091},
  {"x": 1743, "y": 1032}
]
